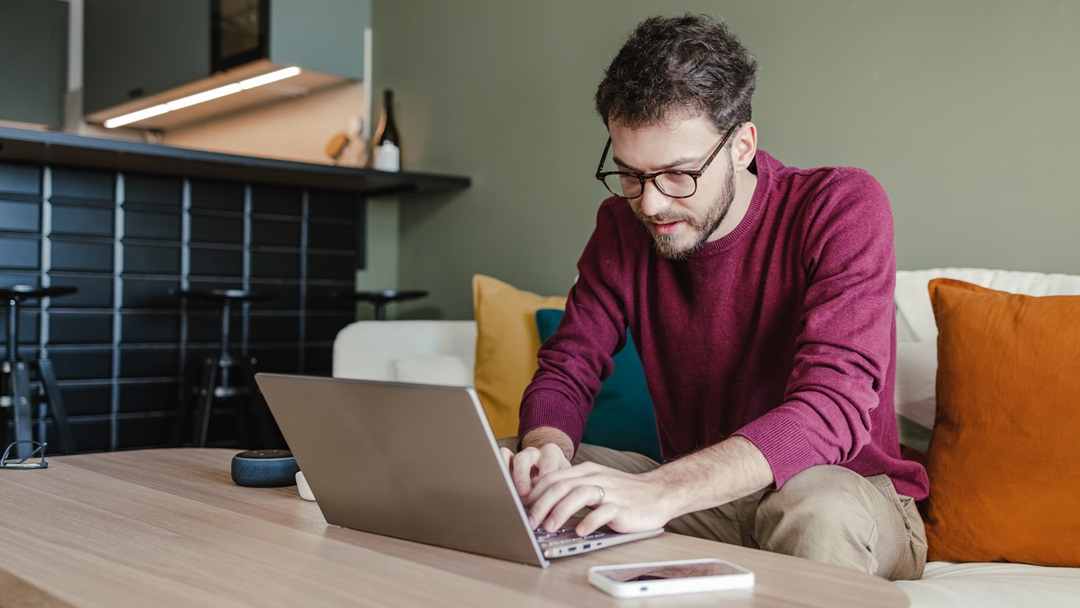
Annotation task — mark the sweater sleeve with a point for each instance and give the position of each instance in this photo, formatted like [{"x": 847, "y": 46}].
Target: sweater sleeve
[
  {"x": 843, "y": 348},
  {"x": 577, "y": 358}
]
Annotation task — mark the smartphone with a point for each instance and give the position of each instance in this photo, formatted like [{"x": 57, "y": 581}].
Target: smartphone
[{"x": 663, "y": 578}]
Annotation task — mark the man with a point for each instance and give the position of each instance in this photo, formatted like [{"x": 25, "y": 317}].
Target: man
[{"x": 760, "y": 297}]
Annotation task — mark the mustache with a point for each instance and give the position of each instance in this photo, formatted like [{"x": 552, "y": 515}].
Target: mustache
[{"x": 666, "y": 220}]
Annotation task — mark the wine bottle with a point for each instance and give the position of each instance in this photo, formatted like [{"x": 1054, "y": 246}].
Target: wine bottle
[{"x": 387, "y": 142}]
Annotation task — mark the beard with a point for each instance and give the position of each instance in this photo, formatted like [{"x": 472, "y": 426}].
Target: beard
[{"x": 674, "y": 246}]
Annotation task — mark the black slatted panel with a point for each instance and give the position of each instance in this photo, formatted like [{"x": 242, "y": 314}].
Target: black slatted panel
[
  {"x": 217, "y": 229},
  {"x": 83, "y": 186},
  {"x": 29, "y": 319},
  {"x": 20, "y": 216},
  {"x": 20, "y": 251},
  {"x": 144, "y": 430},
  {"x": 82, "y": 255},
  {"x": 82, "y": 362},
  {"x": 318, "y": 359},
  {"x": 276, "y": 201},
  {"x": 140, "y": 327},
  {"x": 151, "y": 292},
  {"x": 19, "y": 277},
  {"x": 275, "y": 264},
  {"x": 334, "y": 251},
  {"x": 20, "y": 180},
  {"x": 92, "y": 434},
  {"x": 72, "y": 219},
  {"x": 95, "y": 290},
  {"x": 80, "y": 327},
  {"x": 286, "y": 294},
  {"x": 86, "y": 398},
  {"x": 205, "y": 326},
  {"x": 152, "y": 224},
  {"x": 124, "y": 347}
]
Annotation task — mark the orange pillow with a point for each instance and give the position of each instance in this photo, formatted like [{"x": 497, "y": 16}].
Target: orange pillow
[
  {"x": 507, "y": 341},
  {"x": 1004, "y": 460}
]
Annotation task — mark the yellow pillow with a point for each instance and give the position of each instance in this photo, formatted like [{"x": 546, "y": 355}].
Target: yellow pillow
[
  {"x": 1004, "y": 479},
  {"x": 506, "y": 345}
]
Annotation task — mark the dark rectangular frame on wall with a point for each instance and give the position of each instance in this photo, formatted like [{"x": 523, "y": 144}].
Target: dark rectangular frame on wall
[
  {"x": 125, "y": 346},
  {"x": 220, "y": 62}
]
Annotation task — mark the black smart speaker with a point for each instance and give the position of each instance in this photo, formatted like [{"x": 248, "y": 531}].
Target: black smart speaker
[{"x": 264, "y": 468}]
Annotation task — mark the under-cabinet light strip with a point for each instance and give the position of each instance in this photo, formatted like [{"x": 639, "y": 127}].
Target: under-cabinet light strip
[{"x": 202, "y": 97}]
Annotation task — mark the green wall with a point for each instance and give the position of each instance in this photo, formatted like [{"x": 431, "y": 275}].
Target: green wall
[{"x": 966, "y": 111}]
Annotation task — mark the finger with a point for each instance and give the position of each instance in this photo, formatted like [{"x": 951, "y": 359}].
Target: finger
[
  {"x": 576, "y": 500},
  {"x": 507, "y": 456},
  {"x": 521, "y": 470},
  {"x": 546, "y": 501},
  {"x": 598, "y": 518},
  {"x": 549, "y": 463},
  {"x": 574, "y": 472}
]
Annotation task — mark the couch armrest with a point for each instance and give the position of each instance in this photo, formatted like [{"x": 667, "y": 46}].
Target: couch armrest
[{"x": 369, "y": 349}]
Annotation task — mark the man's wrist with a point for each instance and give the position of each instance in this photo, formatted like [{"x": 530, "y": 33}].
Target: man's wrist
[
  {"x": 543, "y": 435},
  {"x": 717, "y": 475},
  {"x": 673, "y": 491}
]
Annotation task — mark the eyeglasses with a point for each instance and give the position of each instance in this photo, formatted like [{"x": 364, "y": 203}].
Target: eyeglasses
[
  {"x": 671, "y": 182},
  {"x": 35, "y": 460}
]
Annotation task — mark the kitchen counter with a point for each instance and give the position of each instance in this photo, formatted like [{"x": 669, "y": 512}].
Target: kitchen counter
[{"x": 55, "y": 148}]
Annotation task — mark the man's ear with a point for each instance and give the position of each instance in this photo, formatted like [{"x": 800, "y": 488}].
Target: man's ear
[{"x": 744, "y": 146}]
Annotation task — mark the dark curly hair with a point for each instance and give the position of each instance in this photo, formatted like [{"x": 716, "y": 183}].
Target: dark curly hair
[{"x": 690, "y": 63}]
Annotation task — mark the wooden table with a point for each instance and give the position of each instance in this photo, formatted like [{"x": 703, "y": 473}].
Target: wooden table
[{"x": 169, "y": 528}]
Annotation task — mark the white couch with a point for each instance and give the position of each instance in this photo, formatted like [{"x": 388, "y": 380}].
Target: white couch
[{"x": 443, "y": 352}]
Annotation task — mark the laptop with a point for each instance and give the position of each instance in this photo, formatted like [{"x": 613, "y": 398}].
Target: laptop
[{"x": 414, "y": 461}]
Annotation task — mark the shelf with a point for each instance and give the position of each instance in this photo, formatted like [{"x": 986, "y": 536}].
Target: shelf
[{"x": 67, "y": 149}]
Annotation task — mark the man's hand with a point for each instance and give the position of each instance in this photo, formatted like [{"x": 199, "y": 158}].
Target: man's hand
[
  {"x": 626, "y": 503},
  {"x": 532, "y": 464}
]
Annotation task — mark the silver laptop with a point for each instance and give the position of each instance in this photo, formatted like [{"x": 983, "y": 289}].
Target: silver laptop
[{"x": 413, "y": 461}]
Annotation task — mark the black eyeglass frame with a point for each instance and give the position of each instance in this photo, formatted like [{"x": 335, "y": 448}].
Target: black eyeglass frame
[{"x": 644, "y": 177}]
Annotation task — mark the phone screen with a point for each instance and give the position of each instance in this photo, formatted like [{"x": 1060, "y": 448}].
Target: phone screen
[{"x": 626, "y": 575}]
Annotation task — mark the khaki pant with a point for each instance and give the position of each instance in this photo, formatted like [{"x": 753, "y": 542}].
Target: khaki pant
[{"x": 826, "y": 513}]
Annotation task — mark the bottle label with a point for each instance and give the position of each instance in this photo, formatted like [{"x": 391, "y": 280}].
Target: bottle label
[{"x": 387, "y": 157}]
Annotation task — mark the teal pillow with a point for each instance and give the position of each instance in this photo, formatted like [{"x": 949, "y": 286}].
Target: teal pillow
[{"x": 622, "y": 417}]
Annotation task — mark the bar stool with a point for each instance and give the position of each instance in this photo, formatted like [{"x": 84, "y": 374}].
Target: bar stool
[
  {"x": 20, "y": 392},
  {"x": 219, "y": 372},
  {"x": 383, "y": 297}
]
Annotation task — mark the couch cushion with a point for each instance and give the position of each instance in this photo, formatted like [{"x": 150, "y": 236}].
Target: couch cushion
[
  {"x": 622, "y": 417},
  {"x": 506, "y": 345},
  {"x": 1002, "y": 461},
  {"x": 948, "y": 585},
  {"x": 916, "y": 351},
  {"x": 916, "y": 317}
]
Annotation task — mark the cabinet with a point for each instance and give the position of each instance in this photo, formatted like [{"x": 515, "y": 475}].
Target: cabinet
[
  {"x": 33, "y": 61},
  {"x": 137, "y": 49}
]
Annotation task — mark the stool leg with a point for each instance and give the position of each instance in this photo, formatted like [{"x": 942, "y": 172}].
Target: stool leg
[
  {"x": 207, "y": 397},
  {"x": 56, "y": 405},
  {"x": 13, "y": 331},
  {"x": 20, "y": 396}
]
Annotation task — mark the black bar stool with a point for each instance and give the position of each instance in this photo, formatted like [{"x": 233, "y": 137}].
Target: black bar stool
[
  {"x": 20, "y": 394},
  {"x": 383, "y": 297},
  {"x": 219, "y": 372}
]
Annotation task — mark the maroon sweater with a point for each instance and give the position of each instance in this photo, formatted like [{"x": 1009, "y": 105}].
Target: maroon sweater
[{"x": 783, "y": 331}]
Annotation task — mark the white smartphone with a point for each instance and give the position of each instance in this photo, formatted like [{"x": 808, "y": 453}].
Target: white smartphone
[{"x": 663, "y": 578}]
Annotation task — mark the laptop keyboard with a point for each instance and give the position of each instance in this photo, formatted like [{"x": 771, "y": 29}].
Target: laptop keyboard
[{"x": 565, "y": 535}]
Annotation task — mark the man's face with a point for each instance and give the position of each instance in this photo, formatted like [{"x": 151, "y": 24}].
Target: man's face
[{"x": 679, "y": 226}]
